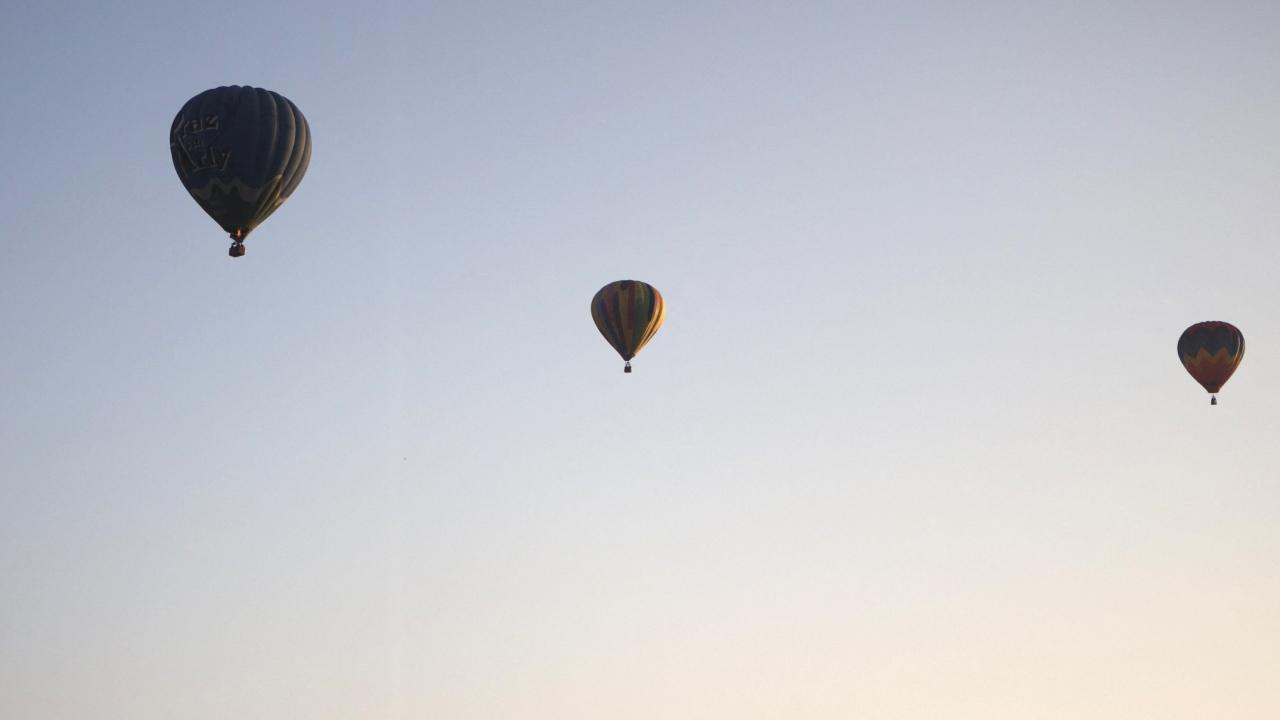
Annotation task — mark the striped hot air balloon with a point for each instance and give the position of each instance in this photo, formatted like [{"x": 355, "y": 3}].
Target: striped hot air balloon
[
  {"x": 1211, "y": 352},
  {"x": 240, "y": 152},
  {"x": 628, "y": 313}
]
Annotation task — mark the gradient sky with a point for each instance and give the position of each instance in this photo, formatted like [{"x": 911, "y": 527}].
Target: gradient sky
[{"x": 913, "y": 443}]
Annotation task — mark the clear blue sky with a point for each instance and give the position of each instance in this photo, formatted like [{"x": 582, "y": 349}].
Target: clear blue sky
[{"x": 913, "y": 442}]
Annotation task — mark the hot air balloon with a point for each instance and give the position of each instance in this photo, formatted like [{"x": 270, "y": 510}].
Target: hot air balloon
[
  {"x": 628, "y": 313},
  {"x": 240, "y": 152},
  {"x": 1211, "y": 351}
]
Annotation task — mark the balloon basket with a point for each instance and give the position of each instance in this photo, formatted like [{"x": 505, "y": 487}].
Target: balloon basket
[{"x": 627, "y": 368}]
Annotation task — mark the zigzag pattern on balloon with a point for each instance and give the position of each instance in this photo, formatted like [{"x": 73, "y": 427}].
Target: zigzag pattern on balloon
[
  {"x": 240, "y": 152},
  {"x": 1211, "y": 352}
]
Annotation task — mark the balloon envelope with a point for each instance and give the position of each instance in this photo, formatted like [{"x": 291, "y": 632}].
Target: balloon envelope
[
  {"x": 240, "y": 152},
  {"x": 628, "y": 313},
  {"x": 1211, "y": 351}
]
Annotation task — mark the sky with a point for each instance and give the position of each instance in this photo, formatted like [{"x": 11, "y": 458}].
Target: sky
[{"x": 914, "y": 441}]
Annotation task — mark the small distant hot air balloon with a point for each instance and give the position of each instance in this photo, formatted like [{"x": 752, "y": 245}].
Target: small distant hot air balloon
[
  {"x": 628, "y": 313},
  {"x": 1211, "y": 351},
  {"x": 240, "y": 152}
]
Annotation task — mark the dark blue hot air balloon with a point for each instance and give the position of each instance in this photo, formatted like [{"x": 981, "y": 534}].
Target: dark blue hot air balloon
[{"x": 240, "y": 152}]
